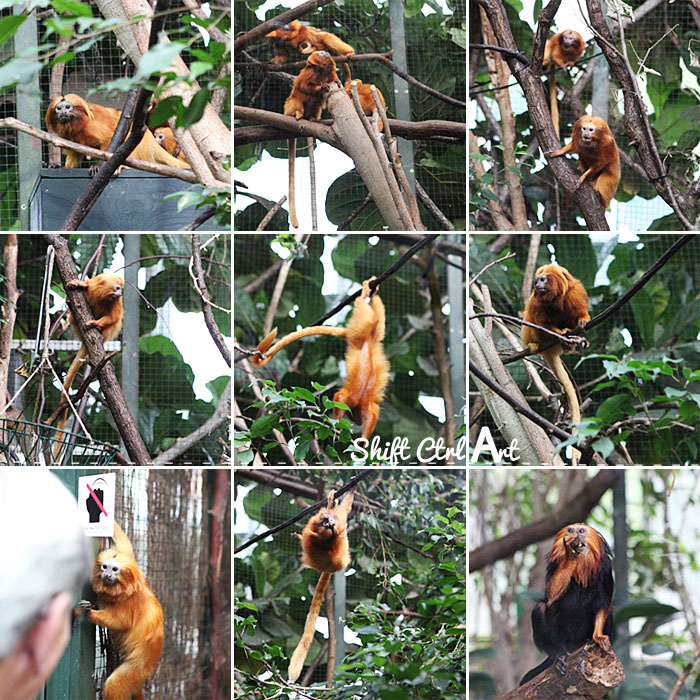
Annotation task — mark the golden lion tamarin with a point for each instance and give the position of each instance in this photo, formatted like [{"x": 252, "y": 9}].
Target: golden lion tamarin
[
  {"x": 104, "y": 295},
  {"x": 324, "y": 542},
  {"x": 558, "y": 302},
  {"x": 128, "y": 607},
  {"x": 296, "y": 35},
  {"x": 72, "y": 118},
  {"x": 166, "y": 139},
  {"x": 368, "y": 368},
  {"x": 562, "y": 50},
  {"x": 307, "y": 101},
  {"x": 598, "y": 157}
]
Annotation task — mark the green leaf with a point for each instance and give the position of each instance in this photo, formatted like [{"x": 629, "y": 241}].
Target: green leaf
[
  {"x": 158, "y": 58},
  {"x": 9, "y": 25},
  {"x": 195, "y": 109}
]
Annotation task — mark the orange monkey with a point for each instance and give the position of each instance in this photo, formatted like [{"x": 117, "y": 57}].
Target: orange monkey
[
  {"x": 366, "y": 99},
  {"x": 104, "y": 295},
  {"x": 558, "y": 302},
  {"x": 129, "y": 608},
  {"x": 368, "y": 368},
  {"x": 561, "y": 50},
  {"x": 598, "y": 157},
  {"x": 166, "y": 139},
  {"x": 296, "y": 35},
  {"x": 324, "y": 542},
  {"x": 307, "y": 101},
  {"x": 72, "y": 118}
]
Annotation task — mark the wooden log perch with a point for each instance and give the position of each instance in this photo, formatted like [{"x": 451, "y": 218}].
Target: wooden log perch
[{"x": 589, "y": 674}]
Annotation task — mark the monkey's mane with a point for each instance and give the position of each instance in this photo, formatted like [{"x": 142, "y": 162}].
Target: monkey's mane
[
  {"x": 129, "y": 581},
  {"x": 558, "y": 280},
  {"x": 81, "y": 112},
  {"x": 585, "y": 567}
]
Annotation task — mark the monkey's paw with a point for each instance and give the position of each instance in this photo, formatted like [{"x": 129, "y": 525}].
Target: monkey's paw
[
  {"x": 603, "y": 642},
  {"x": 85, "y": 605}
]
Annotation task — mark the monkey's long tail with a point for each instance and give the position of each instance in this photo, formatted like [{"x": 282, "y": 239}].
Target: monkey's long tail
[
  {"x": 70, "y": 376},
  {"x": 560, "y": 372},
  {"x": 292, "y": 202},
  {"x": 554, "y": 106},
  {"x": 265, "y": 356},
  {"x": 299, "y": 655},
  {"x": 533, "y": 673}
]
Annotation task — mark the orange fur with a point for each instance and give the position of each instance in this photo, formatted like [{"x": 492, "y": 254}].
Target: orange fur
[
  {"x": 72, "y": 118},
  {"x": 307, "y": 101},
  {"x": 598, "y": 157},
  {"x": 366, "y": 99},
  {"x": 297, "y": 36},
  {"x": 562, "y": 50},
  {"x": 166, "y": 139},
  {"x": 325, "y": 548},
  {"x": 129, "y": 608},
  {"x": 104, "y": 295},
  {"x": 367, "y": 366},
  {"x": 576, "y": 553},
  {"x": 558, "y": 302}
]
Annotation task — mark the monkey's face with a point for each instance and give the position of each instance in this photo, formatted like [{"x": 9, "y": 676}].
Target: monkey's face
[
  {"x": 320, "y": 58},
  {"x": 569, "y": 40},
  {"x": 588, "y": 133},
  {"x": 549, "y": 283},
  {"x": 115, "y": 574},
  {"x": 64, "y": 111},
  {"x": 283, "y": 31},
  {"x": 328, "y": 522},
  {"x": 117, "y": 291},
  {"x": 109, "y": 571},
  {"x": 325, "y": 526},
  {"x": 576, "y": 540}
]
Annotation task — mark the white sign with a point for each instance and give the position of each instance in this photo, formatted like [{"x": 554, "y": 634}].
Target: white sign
[{"x": 96, "y": 497}]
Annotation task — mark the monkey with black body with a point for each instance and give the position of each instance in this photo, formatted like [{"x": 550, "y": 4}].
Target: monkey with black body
[{"x": 577, "y": 607}]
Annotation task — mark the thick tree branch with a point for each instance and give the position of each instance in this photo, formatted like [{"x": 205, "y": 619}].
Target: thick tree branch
[
  {"x": 636, "y": 119},
  {"x": 589, "y": 673},
  {"x": 288, "y": 127},
  {"x": 220, "y": 416},
  {"x": 147, "y": 166},
  {"x": 205, "y": 298}
]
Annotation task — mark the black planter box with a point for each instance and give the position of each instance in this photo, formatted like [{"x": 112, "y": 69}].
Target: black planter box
[{"x": 132, "y": 201}]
